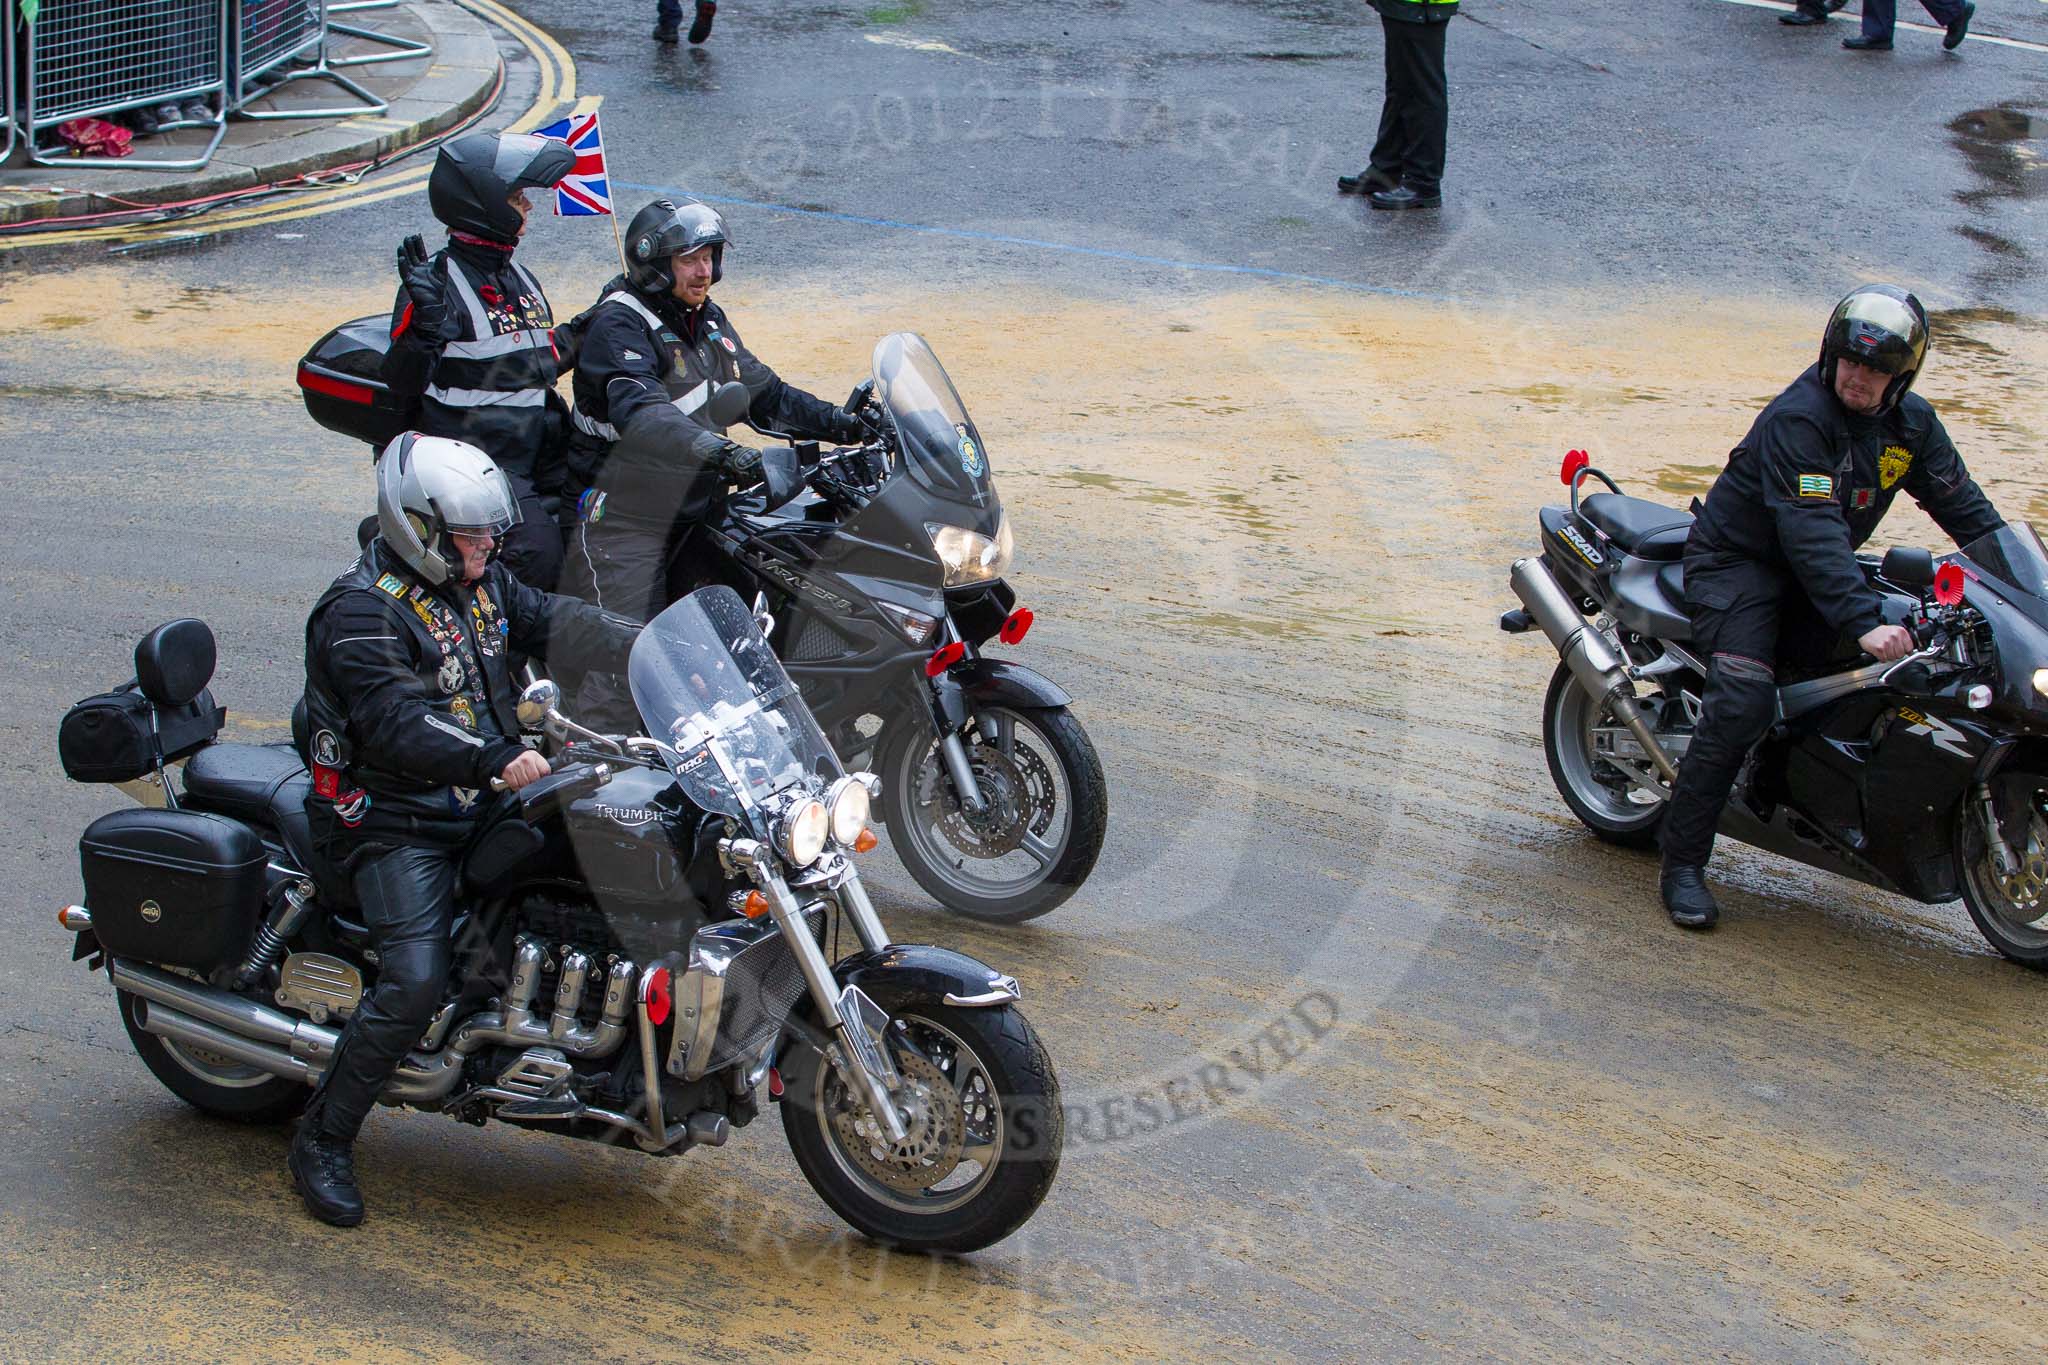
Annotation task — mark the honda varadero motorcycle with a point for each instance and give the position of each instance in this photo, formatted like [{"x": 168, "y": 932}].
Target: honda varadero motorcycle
[
  {"x": 882, "y": 569},
  {"x": 648, "y": 947},
  {"x": 1927, "y": 776}
]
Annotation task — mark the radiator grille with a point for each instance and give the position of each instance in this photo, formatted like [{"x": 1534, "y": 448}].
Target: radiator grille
[{"x": 763, "y": 984}]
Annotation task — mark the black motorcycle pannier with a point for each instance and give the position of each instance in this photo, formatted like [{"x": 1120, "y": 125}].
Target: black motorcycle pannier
[
  {"x": 172, "y": 886},
  {"x": 119, "y": 736},
  {"x": 342, "y": 381}
]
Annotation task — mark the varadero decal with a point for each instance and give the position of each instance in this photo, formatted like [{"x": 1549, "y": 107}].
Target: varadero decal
[{"x": 1940, "y": 734}]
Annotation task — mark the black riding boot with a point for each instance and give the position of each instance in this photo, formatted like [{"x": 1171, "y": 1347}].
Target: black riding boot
[
  {"x": 1684, "y": 888},
  {"x": 323, "y": 1170}
]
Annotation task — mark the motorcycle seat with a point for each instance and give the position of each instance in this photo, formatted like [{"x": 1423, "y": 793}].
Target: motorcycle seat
[
  {"x": 250, "y": 782},
  {"x": 265, "y": 785},
  {"x": 1645, "y": 529}
]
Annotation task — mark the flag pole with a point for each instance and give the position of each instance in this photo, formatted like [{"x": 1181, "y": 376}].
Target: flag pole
[{"x": 614, "y": 216}]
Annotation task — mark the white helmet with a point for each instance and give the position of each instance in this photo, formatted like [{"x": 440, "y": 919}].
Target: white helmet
[{"x": 428, "y": 486}]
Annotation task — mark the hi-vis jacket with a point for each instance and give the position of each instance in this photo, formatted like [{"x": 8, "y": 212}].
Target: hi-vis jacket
[{"x": 493, "y": 386}]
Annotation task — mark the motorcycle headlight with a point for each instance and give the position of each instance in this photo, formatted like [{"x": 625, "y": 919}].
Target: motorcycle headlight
[
  {"x": 970, "y": 557},
  {"x": 850, "y": 808},
  {"x": 2041, "y": 681},
  {"x": 801, "y": 836}
]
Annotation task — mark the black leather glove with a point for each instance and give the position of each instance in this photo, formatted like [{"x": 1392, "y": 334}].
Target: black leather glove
[
  {"x": 740, "y": 464},
  {"x": 847, "y": 429},
  {"x": 433, "y": 312}
]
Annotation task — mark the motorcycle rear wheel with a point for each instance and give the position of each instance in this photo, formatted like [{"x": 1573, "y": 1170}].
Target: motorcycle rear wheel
[
  {"x": 1039, "y": 765},
  {"x": 996, "y": 1119},
  {"x": 2011, "y": 912},
  {"x": 219, "y": 1086},
  {"x": 1603, "y": 798}
]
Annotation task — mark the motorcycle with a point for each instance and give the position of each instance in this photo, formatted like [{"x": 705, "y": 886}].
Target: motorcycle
[
  {"x": 648, "y": 947},
  {"x": 1927, "y": 776},
  {"x": 881, "y": 570}
]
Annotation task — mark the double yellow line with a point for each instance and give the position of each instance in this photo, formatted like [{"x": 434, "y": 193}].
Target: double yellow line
[{"x": 557, "y": 86}]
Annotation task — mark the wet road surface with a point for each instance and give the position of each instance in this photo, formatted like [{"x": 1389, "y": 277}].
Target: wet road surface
[{"x": 1372, "y": 1052}]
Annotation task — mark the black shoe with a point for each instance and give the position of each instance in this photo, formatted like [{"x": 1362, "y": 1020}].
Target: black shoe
[
  {"x": 1859, "y": 43},
  {"x": 1402, "y": 197},
  {"x": 1833, "y": 6},
  {"x": 667, "y": 33},
  {"x": 700, "y": 27},
  {"x": 1802, "y": 17},
  {"x": 1366, "y": 181},
  {"x": 1686, "y": 896},
  {"x": 1959, "y": 30},
  {"x": 324, "y": 1173}
]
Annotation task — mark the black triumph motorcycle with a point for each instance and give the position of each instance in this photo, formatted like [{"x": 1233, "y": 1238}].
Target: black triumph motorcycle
[
  {"x": 880, "y": 569},
  {"x": 649, "y": 946},
  {"x": 1927, "y": 776}
]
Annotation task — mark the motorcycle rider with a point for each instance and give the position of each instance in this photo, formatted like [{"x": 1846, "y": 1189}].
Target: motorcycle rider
[
  {"x": 652, "y": 350},
  {"x": 473, "y": 342},
  {"x": 1775, "y": 543},
  {"x": 409, "y": 717}
]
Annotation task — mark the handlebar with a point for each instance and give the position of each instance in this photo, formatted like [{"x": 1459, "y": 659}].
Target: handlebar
[{"x": 540, "y": 798}]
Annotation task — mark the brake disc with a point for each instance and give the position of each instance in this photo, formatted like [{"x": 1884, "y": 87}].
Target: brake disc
[
  {"x": 2026, "y": 886},
  {"x": 1017, "y": 789},
  {"x": 935, "y": 1136}
]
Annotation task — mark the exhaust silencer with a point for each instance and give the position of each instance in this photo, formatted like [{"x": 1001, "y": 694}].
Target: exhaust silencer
[{"x": 1585, "y": 653}]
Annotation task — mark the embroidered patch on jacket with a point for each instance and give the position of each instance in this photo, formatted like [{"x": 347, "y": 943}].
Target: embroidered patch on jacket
[
  {"x": 1862, "y": 498},
  {"x": 1892, "y": 465},
  {"x": 391, "y": 584},
  {"x": 1816, "y": 486}
]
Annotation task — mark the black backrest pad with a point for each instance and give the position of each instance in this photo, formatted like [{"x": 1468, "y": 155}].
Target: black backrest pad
[{"x": 174, "y": 662}]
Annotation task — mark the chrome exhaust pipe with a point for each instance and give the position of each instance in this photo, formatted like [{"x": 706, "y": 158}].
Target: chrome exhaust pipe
[
  {"x": 231, "y": 1013},
  {"x": 165, "y": 1022},
  {"x": 1586, "y": 653}
]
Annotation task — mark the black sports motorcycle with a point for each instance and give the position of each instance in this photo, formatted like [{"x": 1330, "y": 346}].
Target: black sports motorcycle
[
  {"x": 648, "y": 946},
  {"x": 1927, "y": 776},
  {"x": 879, "y": 570}
]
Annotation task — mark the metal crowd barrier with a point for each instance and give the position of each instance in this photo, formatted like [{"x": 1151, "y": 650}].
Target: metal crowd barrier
[
  {"x": 7, "y": 116},
  {"x": 400, "y": 48},
  {"x": 88, "y": 58},
  {"x": 270, "y": 33}
]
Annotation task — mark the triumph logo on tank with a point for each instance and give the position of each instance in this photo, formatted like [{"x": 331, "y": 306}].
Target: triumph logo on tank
[{"x": 626, "y": 815}]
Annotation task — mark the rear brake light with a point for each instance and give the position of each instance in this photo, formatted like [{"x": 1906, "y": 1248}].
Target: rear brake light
[{"x": 312, "y": 381}]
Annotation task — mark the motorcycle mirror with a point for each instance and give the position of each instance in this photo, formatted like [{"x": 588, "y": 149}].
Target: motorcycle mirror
[
  {"x": 781, "y": 475},
  {"x": 728, "y": 404},
  {"x": 540, "y": 697},
  {"x": 1908, "y": 567}
]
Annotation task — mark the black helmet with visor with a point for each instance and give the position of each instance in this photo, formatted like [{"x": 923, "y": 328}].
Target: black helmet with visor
[
  {"x": 475, "y": 176},
  {"x": 1882, "y": 326},
  {"x": 665, "y": 230}
]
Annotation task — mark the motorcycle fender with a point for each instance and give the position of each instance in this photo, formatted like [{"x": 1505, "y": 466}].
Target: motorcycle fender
[
  {"x": 999, "y": 680},
  {"x": 913, "y": 973}
]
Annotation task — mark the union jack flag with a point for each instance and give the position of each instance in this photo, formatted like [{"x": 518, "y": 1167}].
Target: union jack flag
[{"x": 586, "y": 191}]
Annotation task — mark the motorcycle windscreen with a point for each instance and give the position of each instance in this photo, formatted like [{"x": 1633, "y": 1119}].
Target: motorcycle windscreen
[
  {"x": 941, "y": 445},
  {"x": 708, "y": 685},
  {"x": 2015, "y": 559}
]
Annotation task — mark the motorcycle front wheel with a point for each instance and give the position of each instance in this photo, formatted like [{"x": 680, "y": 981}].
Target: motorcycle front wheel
[
  {"x": 982, "y": 1107},
  {"x": 2010, "y": 911},
  {"x": 1598, "y": 792},
  {"x": 1036, "y": 841}
]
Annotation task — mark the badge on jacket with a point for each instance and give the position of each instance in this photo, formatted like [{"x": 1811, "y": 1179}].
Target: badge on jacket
[
  {"x": 451, "y": 675},
  {"x": 1892, "y": 465},
  {"x": 1816, "y": 486}
]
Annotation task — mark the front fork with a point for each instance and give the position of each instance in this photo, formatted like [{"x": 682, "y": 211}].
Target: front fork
[
  {"x": 856, "y": 1023},
  {"x": 950, "y": 716}
]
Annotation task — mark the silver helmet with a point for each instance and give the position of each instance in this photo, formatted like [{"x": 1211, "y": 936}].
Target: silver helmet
[{"x": 428, "y": 486}]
